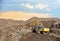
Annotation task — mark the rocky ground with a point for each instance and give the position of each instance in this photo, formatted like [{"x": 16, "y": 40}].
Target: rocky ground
[
  {"x": 39, "y": 37},
  {"x": 10, "y": 34},
  {"x": 13, "y": 30}
]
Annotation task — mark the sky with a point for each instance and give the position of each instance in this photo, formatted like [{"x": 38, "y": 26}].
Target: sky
[{"x": 51, "y": 7}]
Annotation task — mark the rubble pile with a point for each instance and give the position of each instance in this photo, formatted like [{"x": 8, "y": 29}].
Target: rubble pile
[{"x": 39, "y": 37}]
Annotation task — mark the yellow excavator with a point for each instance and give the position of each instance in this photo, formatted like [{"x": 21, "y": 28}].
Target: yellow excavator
[{"x": 38, "y": 27}]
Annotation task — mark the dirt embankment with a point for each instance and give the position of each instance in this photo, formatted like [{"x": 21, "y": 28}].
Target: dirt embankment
[{"x": 38, "y": 37}]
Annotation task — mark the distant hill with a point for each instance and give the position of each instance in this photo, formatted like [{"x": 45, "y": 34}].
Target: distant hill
[{"x": 10, "y": 22}]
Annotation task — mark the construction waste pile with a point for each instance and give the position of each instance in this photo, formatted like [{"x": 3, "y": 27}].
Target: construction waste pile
[
  {"x": 13, "y": 30},
  {"x": 39, "y": 37},
  {"x": 10, "y": 34}
]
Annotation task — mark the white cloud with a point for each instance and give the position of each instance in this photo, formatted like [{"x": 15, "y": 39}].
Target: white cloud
[
  {"x": 27, "y": 5},
  {"x": 42, "y": 7},
  {"x": 37, "y": 6},
  {"x": 48, "y": 9}
]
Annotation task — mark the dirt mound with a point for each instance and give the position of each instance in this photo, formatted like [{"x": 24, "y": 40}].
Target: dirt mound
[{"x": 38, "y": 37}]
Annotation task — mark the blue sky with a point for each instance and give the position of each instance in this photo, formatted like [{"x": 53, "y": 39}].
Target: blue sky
[{"x": 39, "y": 6}]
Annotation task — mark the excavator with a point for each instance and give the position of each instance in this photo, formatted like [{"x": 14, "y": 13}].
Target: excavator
[{"x": 38, "y": 27}]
